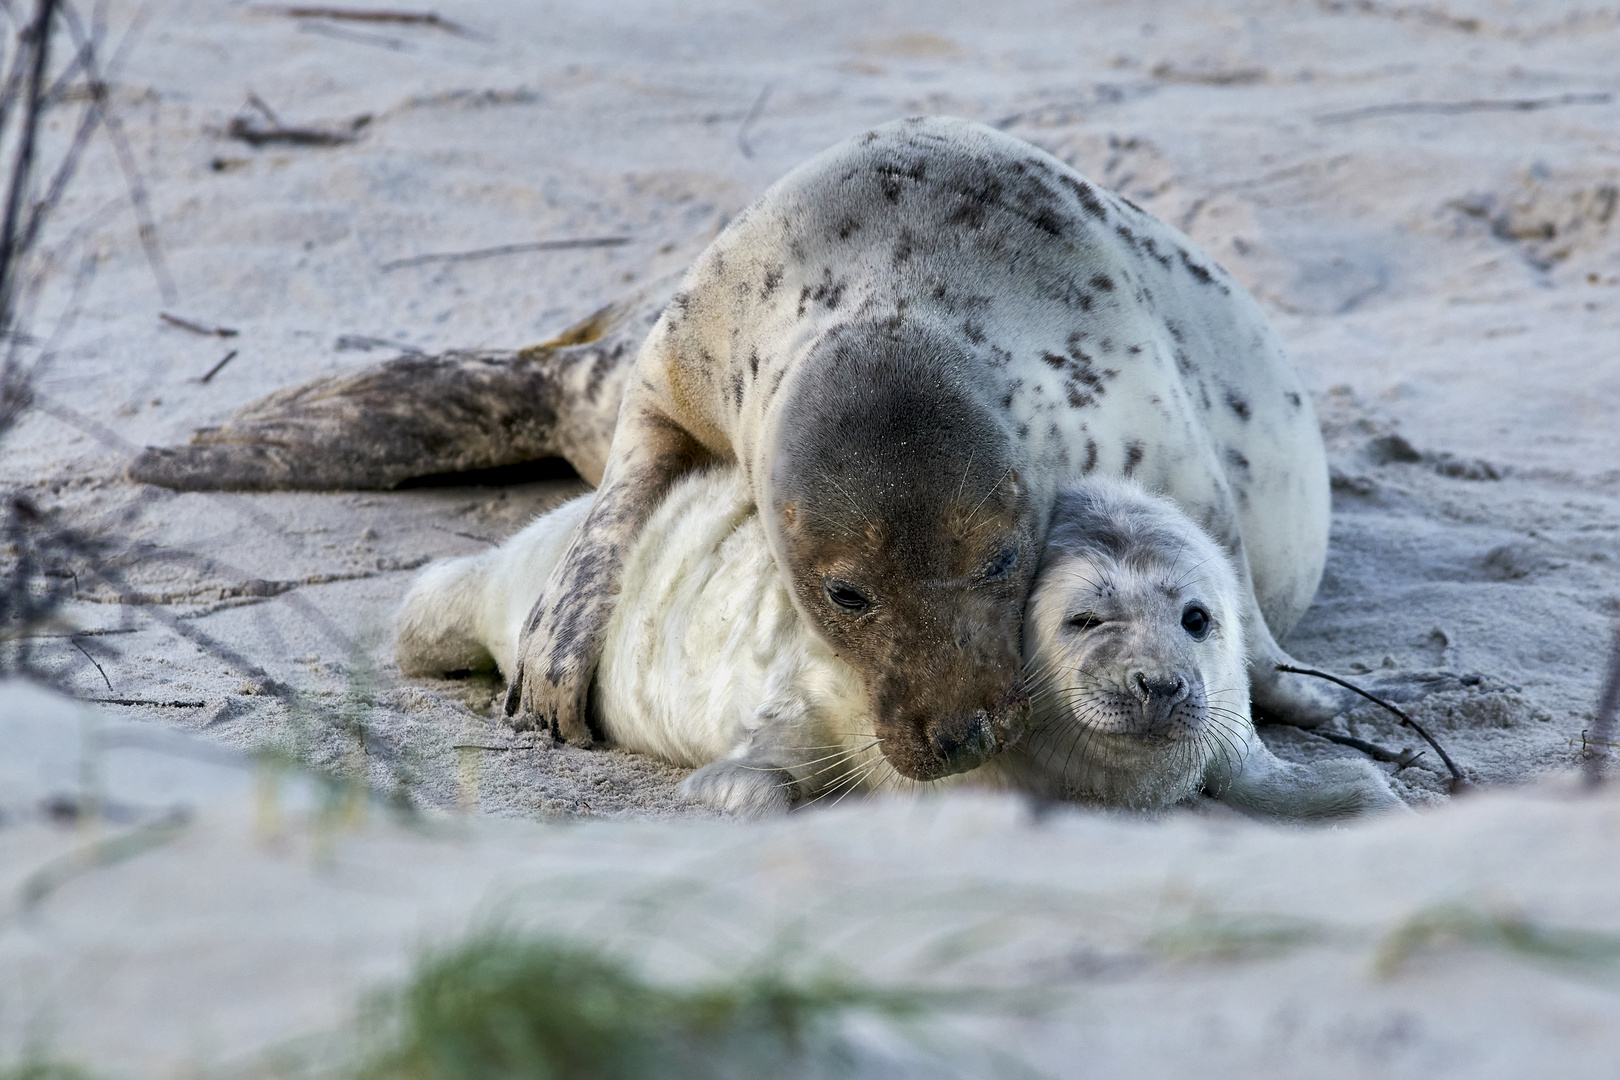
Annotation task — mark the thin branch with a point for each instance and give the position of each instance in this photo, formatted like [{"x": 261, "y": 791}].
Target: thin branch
[
  {"x": 215, "y": 370},
  {"x": 506, "y": 249},
  {"x": 146, "y": 225},
  {"x": 1372, "y": 750},
  {"x": 197, "y": 328},
  {"x": 75, "y": 643},
  {"x": 1451, "y": 108},
  {"x": 367, "y": 15},
  {"x": 1458, "y": 783},
  {"x": 147, "y": 702},
  {"x": 1603, "y": 719},
  {"x": 245, "y": 130},
  {"x": 38, "y": 39},
  {"x": 754, "y": 113}
]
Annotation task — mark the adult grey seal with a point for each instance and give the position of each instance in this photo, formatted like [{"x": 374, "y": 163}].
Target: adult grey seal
[
  {"x": 1133, "y": 634},
  {"x": 907, "y": 344}
]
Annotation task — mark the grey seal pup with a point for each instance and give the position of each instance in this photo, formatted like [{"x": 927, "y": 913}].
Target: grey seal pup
[{"x": 1133, "y": 639}]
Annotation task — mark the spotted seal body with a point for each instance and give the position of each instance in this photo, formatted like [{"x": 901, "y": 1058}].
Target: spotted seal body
[
  {"x": 1133, "y": 633},
  {"x": 907, "y": 345}
]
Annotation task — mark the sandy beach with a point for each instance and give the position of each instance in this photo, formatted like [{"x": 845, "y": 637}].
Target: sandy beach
[{"x": 1425, "y": 199}]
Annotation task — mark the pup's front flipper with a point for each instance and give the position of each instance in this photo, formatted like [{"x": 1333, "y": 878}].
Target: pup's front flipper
[
  {"x": 743, "y": 788},
  {"x": 1264, "y": 785}
]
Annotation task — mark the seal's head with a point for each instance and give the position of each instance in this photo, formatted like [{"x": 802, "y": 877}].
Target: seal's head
[
  {"x": 909, "y": 538},
  {"x": 1135, "y": 649}
]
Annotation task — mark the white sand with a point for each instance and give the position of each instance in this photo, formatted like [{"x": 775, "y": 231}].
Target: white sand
[{"x": 1403, "y": 257}]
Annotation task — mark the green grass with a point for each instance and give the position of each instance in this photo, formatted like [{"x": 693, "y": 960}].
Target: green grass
[
  {"x": 42, "y": 1069},
  {"x": 1567, "y": 949},
  {"x": 503, "y": 1005}
]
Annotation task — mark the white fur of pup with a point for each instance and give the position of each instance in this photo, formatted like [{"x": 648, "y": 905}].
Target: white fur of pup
[{"x": 707, "y": 664}]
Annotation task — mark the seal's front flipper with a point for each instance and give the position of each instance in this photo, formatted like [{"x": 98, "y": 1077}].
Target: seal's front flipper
[
  {"x": 742, "y": 788},
  {"x": 1263, "y": 785},
  {"x": 420, "y": 415}
]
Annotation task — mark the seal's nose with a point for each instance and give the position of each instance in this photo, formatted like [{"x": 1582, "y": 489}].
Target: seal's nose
[
  {"x": 1159, "y": 689},
  {"x": 963, "y": 744}
]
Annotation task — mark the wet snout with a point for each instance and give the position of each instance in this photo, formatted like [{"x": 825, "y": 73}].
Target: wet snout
[
  {"x": 1160, "y": 694},
  {"x": 954, "y": 720}
]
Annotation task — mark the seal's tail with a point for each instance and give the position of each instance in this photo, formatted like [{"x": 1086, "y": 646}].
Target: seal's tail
[
  {"x": 439, "y": 626},
  {"x": 419, "y": 415},
  {"x": 467, "y": 614}
]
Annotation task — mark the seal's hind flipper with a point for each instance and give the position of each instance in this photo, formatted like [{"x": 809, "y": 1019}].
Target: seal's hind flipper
[{"x": 418, "y": 415}]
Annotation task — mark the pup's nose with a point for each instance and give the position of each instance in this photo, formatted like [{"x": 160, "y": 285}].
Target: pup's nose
[{"x": 1159, "y": 688}]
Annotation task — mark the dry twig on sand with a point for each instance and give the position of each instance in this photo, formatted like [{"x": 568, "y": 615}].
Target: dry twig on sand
[
  {"x": 506, "y": 249},
  {"x": 1603, "y": 719},
  {"x": 215, "y": 370},
  {"x": 754, "y": 112},
  {"x": 366, "y": 15},
  {"x": 196, "y": 328},
  {"x": 1458, "y": 782},
  {"x": 1448, "y": 108}
]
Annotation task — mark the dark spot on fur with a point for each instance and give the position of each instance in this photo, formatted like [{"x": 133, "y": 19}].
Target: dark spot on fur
[
  {"x": 974, "y": 331},
  {"x": 804, "y": 299},
  {"x": 773, "y": 278},
  {"x": 1006, "y": 401},
  {"x": 1091, "y": 456},
  {"x": 753, "y": 364},
  {"x": 737, "y": 391},
  {"x": 1078, "y": 399},
  {"x": 903, "y": 247},
  {"x": 829, "y": 292},
  {"x": 1237, "y": 405},
  {"x": 1134, "y": 349},
  {"x": 1184, "y": 362},
  {"x": 1102, "y": 283},
  {"x": 776, "y": 383},
  {"x": 1204, "y": 277},
  {"x": 846, "y": 227},
  {"x": 1088, "y": 198},
  {"x": 1053, "y": 360},
  {"x": 1134, "y": 450},
  {"x": 1130, "y": 204},
  {"x": 1236, "y": 459},
  {"x": 1126, "y": 234},
  {"x": 1106, "y": 345},
  {"x": 1023, "y": 431},
  {"x": 1152, "y": 249},
  {"x": 892, "y": 177},
  {"x": 1175, "y": 330},
  {"x": 1293, "y": 399}
]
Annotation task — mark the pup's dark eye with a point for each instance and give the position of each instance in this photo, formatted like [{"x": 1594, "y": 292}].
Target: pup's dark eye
[
  {"x": 1002, "y": 564},
  {"x": 1196, "y": 621},
  {"x": 1079, "y": 624},
  {"x": 845, "y": 596}
]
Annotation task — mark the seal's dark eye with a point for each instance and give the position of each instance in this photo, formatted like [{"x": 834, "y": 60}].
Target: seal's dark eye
[
  {"x": 1080, "y": 623},
  {"x": 1196, "y": 621},
  {"x": 845, "y": 596},
  {"x": 1002, "y": 564}
]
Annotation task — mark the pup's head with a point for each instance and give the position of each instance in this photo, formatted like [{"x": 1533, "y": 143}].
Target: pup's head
[{"x": 1135, "y": 648}]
